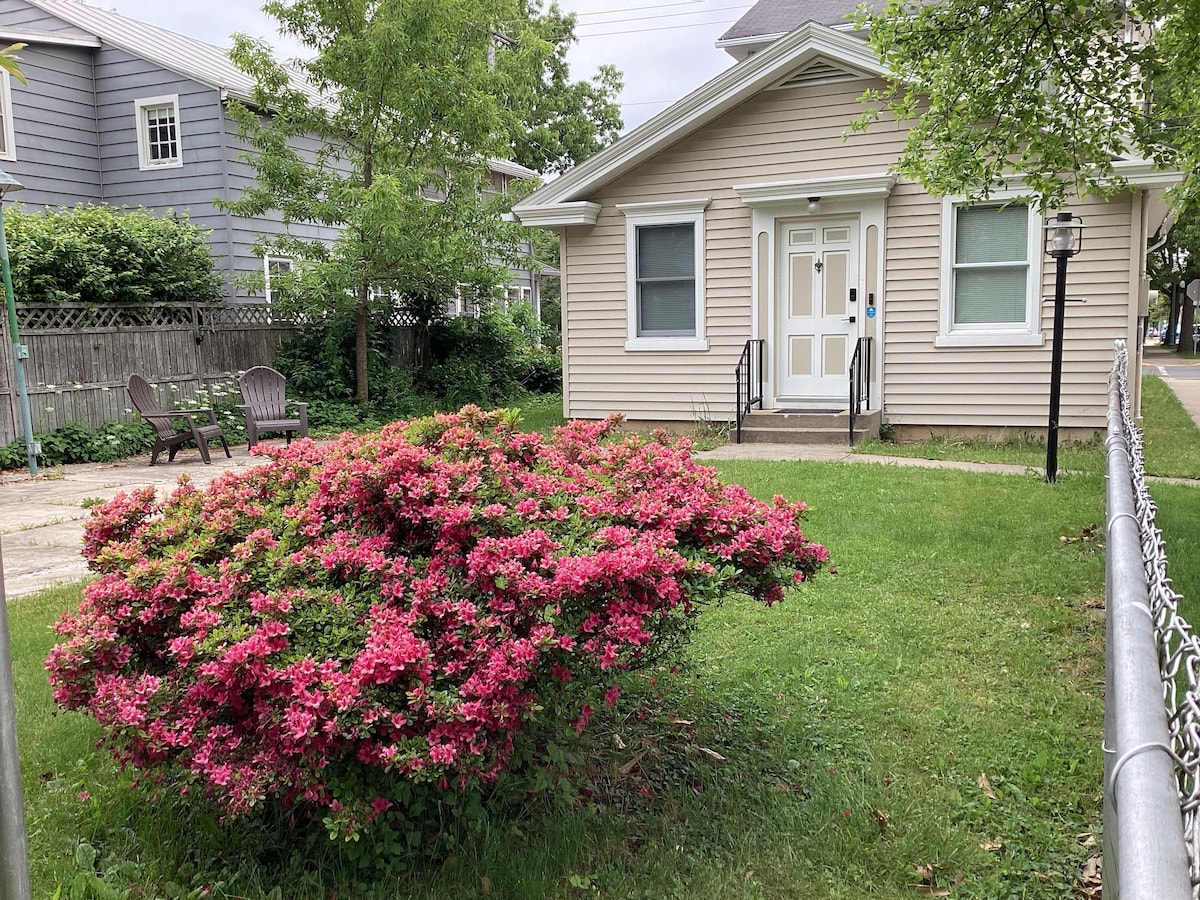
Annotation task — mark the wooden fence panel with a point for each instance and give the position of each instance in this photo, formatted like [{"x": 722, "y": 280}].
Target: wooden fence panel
[{"x": 80, "y": 359}]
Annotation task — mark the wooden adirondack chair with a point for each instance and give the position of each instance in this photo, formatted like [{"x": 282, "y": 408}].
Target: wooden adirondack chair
[
  {"x": 166, "y": 437},
  {"x": 265, "y": 403}
]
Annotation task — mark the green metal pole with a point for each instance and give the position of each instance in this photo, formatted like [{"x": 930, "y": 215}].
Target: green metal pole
[
  {"x": 20, "y": 351},
  {"x": 14, "y": 853}
]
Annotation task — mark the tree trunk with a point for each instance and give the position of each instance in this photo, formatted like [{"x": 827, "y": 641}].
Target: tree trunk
[{"x": 360, "y": 346}]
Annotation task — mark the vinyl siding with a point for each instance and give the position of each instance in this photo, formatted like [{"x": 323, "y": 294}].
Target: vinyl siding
[
  {"x": 802, "y": 133},
  {"x": 779, "y": 135},
  {"x": 945, "y": 387},
  {"x": 54, "y": 124}
]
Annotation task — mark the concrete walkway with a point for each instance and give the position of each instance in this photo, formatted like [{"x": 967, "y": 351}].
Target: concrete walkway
[{"x": 41, "y": 519}]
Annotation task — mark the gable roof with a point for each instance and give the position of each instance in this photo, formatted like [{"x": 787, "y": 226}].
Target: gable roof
[
  {"x": 769, "y": 20},
  {"x": 204, "y": 63},
  {"x": 563, "y": 201},
  {"x": 778, "y": 17}
]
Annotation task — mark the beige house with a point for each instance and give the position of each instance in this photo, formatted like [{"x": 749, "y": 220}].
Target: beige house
[{"x": 748, "y": 212}]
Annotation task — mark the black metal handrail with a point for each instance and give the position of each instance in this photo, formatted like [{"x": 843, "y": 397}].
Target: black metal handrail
[
  {"x": 860, "y": 381},
  {"x": 749, "y": 377}
]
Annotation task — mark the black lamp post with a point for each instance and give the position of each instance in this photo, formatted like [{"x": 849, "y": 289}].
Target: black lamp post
[{"x": 1064, "y": 237}]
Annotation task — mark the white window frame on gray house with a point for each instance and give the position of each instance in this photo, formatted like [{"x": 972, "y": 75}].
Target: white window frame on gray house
[
  {"x": 8, "y": 132},
  {"x": 280, "y": 264},
  {"x": 157, "y": 150},
  {"x": 642, "y": 287},
  {"x": 971, "y": 261}
]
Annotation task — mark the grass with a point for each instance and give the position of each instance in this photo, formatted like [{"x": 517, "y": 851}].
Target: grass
[
  {"x": 1172, "y": 443},
  {"x": 855, "y": 725}
]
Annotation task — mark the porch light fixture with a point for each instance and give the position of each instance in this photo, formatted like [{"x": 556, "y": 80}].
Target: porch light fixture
[
  {"x": 1064, "y": 239},
  {"x": 8, "y": 184},
  {"x": 814, "y": 205}
]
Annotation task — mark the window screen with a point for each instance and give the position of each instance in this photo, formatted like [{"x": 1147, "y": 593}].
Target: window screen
[
  {"x": 991, "y": 265},
  {"x": 666, "y": 280}
]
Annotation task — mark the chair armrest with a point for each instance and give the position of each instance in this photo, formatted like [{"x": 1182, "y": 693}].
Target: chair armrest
[
  {"x": 298, "y": 403},
  {"x": 189, "y": 413}
]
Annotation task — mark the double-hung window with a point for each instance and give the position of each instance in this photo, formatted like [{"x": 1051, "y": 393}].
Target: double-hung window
[
  {"x": 665, "y": 275},
  {"x": 273, "y": 268},
  {"x": 159, "y": 146},
  {"x": 991, "y": 275}
]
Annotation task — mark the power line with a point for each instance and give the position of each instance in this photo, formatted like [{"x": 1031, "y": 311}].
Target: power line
[
  {"x": 695, "y": 12},
  {"x": 628, "y": 9},
  {"x": 646, "y": 30}
]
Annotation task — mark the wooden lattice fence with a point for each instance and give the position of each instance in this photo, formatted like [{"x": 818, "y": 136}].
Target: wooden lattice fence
[{"x": 80, "y": 357}]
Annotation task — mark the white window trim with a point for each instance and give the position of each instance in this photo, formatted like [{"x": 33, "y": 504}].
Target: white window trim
[
  {"x": 6, "y": 110},
  {"x": 139, "y": 114},
  {"x": 670, "y": 212},
  {"x": 267, "y": 260},
  {"x": 1016, "y": 334}
]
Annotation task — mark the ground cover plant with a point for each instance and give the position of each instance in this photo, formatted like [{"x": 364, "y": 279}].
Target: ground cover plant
[
  {"x": 365, "y": 630},
  {"x": 930, "y": 713}
]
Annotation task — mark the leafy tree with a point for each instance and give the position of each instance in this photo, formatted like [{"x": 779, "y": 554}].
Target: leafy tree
[
  {"x": 1051, "y": 90},
  {"x": 409, "y": 99},
  {"x": 11, "y": 63}
]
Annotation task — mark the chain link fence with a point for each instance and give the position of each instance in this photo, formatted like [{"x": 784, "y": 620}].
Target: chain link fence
[{"x": 1152, "y": 711}]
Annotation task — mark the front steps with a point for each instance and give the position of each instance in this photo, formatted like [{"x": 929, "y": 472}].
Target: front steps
[{"x": 769, "y": 426}]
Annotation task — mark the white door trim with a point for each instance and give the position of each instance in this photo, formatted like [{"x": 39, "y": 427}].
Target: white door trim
[{"x": 764, "y": 271}]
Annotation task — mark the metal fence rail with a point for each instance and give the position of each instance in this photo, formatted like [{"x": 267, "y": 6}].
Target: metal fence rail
[{"x": 1152, "y": 713}]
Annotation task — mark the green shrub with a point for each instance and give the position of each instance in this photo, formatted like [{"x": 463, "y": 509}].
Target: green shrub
[
  {"x": 78, "y": 443},
  {"x": 101, "y": 255},
  {"x": 489, "y": 360}
]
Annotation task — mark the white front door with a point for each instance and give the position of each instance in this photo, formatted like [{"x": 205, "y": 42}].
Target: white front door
[{"x": 815, "y": 331}]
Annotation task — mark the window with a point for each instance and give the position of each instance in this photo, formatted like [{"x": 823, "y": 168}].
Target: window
[
  {"x": 158, "y": 132},
  {"x": 273, "y": 267},
  {"x": 8, "y": 148},
  {"x": 990, "y": 275},
  {"x": 665, "y": 275}
]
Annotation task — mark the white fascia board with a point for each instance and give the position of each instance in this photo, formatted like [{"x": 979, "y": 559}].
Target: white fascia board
[
  {"x": 14, "y": 36},
  {"x": 876, "y": 185},
  {"x": 743, "y": 47},
  {"x": 557, "y": 215},
  {"x": 1142, "y": 173},
  {"x": 704, "y": 104},
  {"x": 508, "y": 167}
]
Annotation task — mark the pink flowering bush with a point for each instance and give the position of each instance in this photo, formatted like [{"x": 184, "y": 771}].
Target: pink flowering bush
[{"x": 349, "y": 624}]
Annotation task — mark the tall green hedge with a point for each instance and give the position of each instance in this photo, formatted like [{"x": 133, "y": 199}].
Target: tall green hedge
[{"x": 101, "y": 255}]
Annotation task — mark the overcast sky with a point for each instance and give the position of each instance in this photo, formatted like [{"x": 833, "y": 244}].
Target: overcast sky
[{"x": 665, "y": 50}]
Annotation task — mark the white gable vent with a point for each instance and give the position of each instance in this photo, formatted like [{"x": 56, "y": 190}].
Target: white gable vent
[{"x": 819, "y": 71}]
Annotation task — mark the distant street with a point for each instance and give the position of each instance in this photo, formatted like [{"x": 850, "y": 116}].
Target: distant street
[{"x": 1166, "y": 364}]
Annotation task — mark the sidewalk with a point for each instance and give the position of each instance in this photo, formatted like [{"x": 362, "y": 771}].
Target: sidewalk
[{"x": 1170, "y": 365}]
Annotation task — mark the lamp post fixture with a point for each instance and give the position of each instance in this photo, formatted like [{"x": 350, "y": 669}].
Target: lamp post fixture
[
  {"x": 1064, "y": 238},
  {"x": 20, "y": 351}
]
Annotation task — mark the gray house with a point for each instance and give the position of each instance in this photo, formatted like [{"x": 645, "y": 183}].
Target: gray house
[{"x": 121, "y": 112}]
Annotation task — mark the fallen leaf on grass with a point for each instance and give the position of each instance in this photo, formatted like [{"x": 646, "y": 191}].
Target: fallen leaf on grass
[
  {"x": 930, "y": 890},
  {"x": 925, "y": 872},
  {"x": 986, "y": 786},
  {"x": 712, "y": 754},
  {"x": 485, "y": 885},
  {"x": 1089, "y": 883},
  {"x": 991, "y": 846},
  {"x": 617, "y": 740},
  {"x": 675, "y": 721},
  {"x": 632, "y": 764},
  {"x": 883, "y": 819}
]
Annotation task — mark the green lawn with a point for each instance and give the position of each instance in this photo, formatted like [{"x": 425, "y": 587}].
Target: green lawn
[
  {"x": 1171, "y": 437},
  {"x": 930, "y": 715}
]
